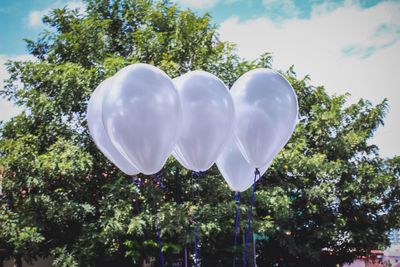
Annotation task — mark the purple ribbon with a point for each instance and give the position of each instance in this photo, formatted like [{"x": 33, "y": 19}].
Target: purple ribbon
[
  {"x": 159, "y": 239},
  {"x": 159, "y": 183},
  {"x": 196, "y": 250},
  {"x": 256, "y": 172},
  {"x": 136, "y": 180},
  {"x": 237, "y": 199}
]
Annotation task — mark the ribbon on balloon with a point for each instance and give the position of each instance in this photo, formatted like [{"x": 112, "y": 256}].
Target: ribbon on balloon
[
  {"x": 207, "y": 122},
  {"x": 134, "y": 118},
  {"x": 159, "y": 183},
  {"x": 266, "y": 115},
  {"x": 195, "y": 199},
  {"x": 256, "y": 173},
  {"x": 140, "y": 116},
  {"x": 237, "y": 199}
]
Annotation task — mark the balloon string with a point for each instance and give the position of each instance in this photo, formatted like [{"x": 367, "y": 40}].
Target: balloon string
[
  {"x": 256, "y": 173},
  {"x": 158, "y": 228},
  {"x": 196, "y": 255},
  {"x": 198, "y": 174},
  {"x": 159, "y": 239},
  {"x": 136, "y": 207},
  {"x": 237, "y": 198},
  {"x": 196, "y": 250},
  {"x": 177, "y": 186}
]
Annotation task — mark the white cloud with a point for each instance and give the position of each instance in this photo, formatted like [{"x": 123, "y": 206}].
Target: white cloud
[
  {"x": 326, "y": 7},
  {"x": 199, "y": 4},
  {"x": 346, "y": 48},
  {"x": 281, "y": 9},
  {"x": 76, "y": 5},
  {"x": 34, "y": 18},
  {"x": 7, "y": 108}
]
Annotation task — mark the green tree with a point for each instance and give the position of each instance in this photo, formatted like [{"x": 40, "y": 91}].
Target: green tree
[{"x": 327, "y": 197}]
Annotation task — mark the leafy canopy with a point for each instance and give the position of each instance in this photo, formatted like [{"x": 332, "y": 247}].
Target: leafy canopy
[{"x": 327, "y": 197}]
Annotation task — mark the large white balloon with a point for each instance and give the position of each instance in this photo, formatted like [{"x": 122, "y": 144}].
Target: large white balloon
[
  {"x": 207, "y": 119},
  {"x": 179, "y": 157},
  {"x": 267, "y": 110},
  {"x": 237, "y": 172},
  {"x": 99, "y": 134},
  {"x": 142, "y": 115}
]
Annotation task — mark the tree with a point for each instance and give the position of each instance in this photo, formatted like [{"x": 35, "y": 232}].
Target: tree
[{"x": 328, "y": 191}]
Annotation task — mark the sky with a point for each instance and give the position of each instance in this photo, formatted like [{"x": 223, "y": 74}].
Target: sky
[{"x": 348, "y": 46}]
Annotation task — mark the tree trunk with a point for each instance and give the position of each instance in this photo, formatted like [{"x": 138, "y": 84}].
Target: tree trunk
[{"x": 18, "y": 261}]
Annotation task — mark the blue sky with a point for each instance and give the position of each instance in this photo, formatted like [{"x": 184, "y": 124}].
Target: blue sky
[
  {"x": 347, "y": 45},
  {"x": 20, "y": 18},
  {"x": 275, "y": 10}
]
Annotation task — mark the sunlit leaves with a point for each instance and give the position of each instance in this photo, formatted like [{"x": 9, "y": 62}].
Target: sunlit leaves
[{"x": 328, "y": 190}]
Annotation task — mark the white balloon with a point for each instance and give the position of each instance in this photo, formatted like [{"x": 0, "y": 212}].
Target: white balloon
[
  {"x": 266, "y": 110},
  {"x": 179, "y": 157},
  {"x": 207, "y": 119},
  {"x": 98, "y": 132},
  {"x": 142, "y": 116},
  {"x": 235, "y": 169}
]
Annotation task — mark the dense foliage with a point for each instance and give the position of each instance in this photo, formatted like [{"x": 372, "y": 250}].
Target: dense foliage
[{"x": 327, "y": 197}]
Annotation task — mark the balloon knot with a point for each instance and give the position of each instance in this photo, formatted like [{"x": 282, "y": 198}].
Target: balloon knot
[
  {"x": 257, "y": 172},
  {"x": 237, "y": 196}
]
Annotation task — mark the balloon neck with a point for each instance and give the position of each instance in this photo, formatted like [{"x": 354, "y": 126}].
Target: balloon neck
[{"x": 237, "y": 196}]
